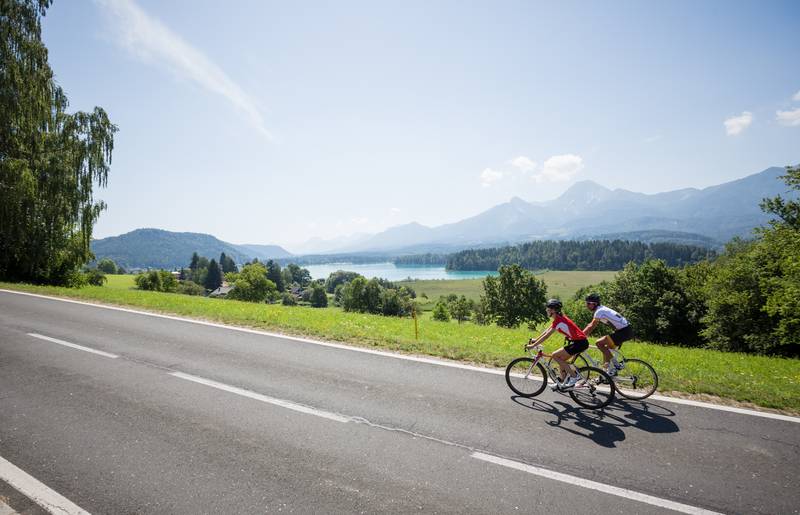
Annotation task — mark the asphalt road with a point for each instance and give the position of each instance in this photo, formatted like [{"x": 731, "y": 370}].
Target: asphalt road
[{"x": 178, "y": 417}]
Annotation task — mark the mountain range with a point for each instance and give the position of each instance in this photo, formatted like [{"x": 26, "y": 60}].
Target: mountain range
[{"x": 587, "y": 210}]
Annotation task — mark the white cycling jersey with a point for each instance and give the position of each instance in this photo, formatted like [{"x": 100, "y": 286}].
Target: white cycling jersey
[{"x": 609, "y": 316}]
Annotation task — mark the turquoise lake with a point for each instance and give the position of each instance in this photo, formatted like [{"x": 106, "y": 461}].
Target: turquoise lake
[{"x": 394, "y": 273}]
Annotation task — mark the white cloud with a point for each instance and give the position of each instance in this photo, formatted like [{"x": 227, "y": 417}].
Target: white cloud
[
  {"x": 489, "y": 177},
  {"x": 395, "y": 210},
  {"x": 736, "y": 124},
  {"x": 523, "y": 163},
  {"x": 153, "y": 42},
  {"x": 559, "y": 168},
  {"x": 789, "y": 118},
  {"x": 796, "y": 97},
  {"x": 360, "y": 220},
  {"x": 651, "y": 139}
]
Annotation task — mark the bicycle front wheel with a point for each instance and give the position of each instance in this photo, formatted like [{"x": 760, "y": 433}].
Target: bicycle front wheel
[
  {"x": 637, "y": 380},
  {"x": 525, "y": 377},
  {"x": 595, "y": 390}
]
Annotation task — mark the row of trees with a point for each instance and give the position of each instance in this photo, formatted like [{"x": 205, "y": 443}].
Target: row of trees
[
  {"x": 577, "y": 255},
  {"x": 50, "y": 160}
]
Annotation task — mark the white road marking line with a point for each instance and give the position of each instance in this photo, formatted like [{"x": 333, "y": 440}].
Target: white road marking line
[
  {"x": 263, "y": 398},
  {"x": 600, "y": 487},
  {"x": 430, "y": 361},
  {"x": 37, "y": 491},
  {"x": 74, "y": 345}
]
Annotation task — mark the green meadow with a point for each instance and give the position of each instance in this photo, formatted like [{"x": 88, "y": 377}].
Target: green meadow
[
  {"x": 559, "y": 284},
  {"x": 758, "y": 380}
]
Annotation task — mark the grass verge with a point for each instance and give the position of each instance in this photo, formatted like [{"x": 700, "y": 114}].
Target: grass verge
[{"x": 759, "y": 380}]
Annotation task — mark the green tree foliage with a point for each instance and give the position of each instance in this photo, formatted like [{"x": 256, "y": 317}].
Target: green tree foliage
[
  {"x": 95, "y": 277},
  {"x": 371, "y": 297},
  {"x": 576, "y": 255},
  {"x": 190, "y": 288},
  {"x": 440, "y": 311},
  {"x": 298, "y": 275},
  {"x": 194, "y": 264},
  {"x": 514, "y": 297},
  {"x": 274, "y": 274},
  {"x": 287, "y": 299},
  {"x": 787, "y": 210},
  {"x": 656, "y": 301},
  {"x": 226, "y": 263},
  {"x": 156, "y": 280},
  {"x": 214, "y": 276},
  {"x": 107, "y": 266},
  {"x": 461, "y": 308},
  {"x": 319, "y": 299},
  {"x": 50, "y": 160},
  {"x": 337, "y": 278},
  {"x": 252, "y": 284},
  {"x": 753, "y": 290}
]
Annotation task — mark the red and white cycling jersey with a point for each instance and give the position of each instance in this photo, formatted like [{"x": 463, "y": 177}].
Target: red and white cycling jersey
[{"x": 567, "y": 327}]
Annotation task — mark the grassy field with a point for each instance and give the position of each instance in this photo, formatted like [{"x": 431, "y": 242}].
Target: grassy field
[
  {"x": 762, "y": 381},
  {"x": 559, "y": 284}
]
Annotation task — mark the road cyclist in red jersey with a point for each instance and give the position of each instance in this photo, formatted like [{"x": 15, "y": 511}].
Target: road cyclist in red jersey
[
  {"x": 622, "y": 331},
  {"x": 577, "y": 343}
]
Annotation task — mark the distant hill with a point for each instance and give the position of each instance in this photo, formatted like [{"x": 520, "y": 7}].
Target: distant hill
[
  {"x": 587, "y": 210},
  {"x": 156, "y": 248}
]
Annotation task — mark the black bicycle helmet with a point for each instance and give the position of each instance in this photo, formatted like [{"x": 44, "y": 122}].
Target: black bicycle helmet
[
  {"x": 554, "y": 304},
  {"x": 593, "y": 297}
]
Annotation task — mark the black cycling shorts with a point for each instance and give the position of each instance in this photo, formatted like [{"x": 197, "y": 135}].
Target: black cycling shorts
[
  {"x": 576, "y": 346},
  {"x": 621, "y": 336}
]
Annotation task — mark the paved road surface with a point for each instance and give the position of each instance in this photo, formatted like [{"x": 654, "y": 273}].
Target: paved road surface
[{"x": 178, "y": 417}]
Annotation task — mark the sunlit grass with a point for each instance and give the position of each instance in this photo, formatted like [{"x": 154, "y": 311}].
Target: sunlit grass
[{"x": 764, "y": 381}]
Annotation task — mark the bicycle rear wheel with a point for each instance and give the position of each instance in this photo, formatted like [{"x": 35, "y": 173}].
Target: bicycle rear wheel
[
  {"x": 525, "y": 377},
  {"x": 637, "y": 380},
  {"x": 595, "y": 390}
]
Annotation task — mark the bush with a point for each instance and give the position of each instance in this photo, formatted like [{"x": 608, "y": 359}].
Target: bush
[
  {"x": 156, "y": 280},
  {"x": 95, "y": 277},
  {"x": 190, "y": 288},
  {"x": 440, "y": 312},
  {"x": 287, "y": 299},
  {"x": 319, "y": 299}
]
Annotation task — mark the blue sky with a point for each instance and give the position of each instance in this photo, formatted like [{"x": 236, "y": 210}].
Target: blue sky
[{"x": 274, "y": 122}]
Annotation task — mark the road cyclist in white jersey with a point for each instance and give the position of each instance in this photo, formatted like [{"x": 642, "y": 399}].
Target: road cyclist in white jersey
[{"x": 622, "y": 331}]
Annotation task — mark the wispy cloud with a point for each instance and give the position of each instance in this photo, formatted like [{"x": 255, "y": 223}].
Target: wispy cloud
[
  {"x": 789, "y": 118},
  {"x": 651, "y": 139},
  {"x": 559, "y": 168},
  {"x": 523, "y": 163},
  {"x": 150, "y": 40},
  {"x": 736, "y": 124},
  {"x": 489, "y": 177},
  {"x": 796, "y": 97}
]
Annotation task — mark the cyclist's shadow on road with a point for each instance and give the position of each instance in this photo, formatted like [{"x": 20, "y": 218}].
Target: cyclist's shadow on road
[{"x": 604, "y": 426}]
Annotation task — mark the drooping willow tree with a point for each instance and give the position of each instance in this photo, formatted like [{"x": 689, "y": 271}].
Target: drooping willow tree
[{"x": 50, "y": 160}]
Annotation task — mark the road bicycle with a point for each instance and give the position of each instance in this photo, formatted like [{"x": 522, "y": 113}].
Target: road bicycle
[
  {"x": 527, "y": 377},
  {"x": 635, "y": 379}
]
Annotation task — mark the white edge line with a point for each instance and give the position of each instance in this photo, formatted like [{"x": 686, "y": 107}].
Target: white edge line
[
  {"x": 600, "y": 487},
  {"x": 430, "y": 361},
  {"x": 37, "y": 491},
  {"x": 263, "y": 398},
  {"x": 73, "y": 345}
]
